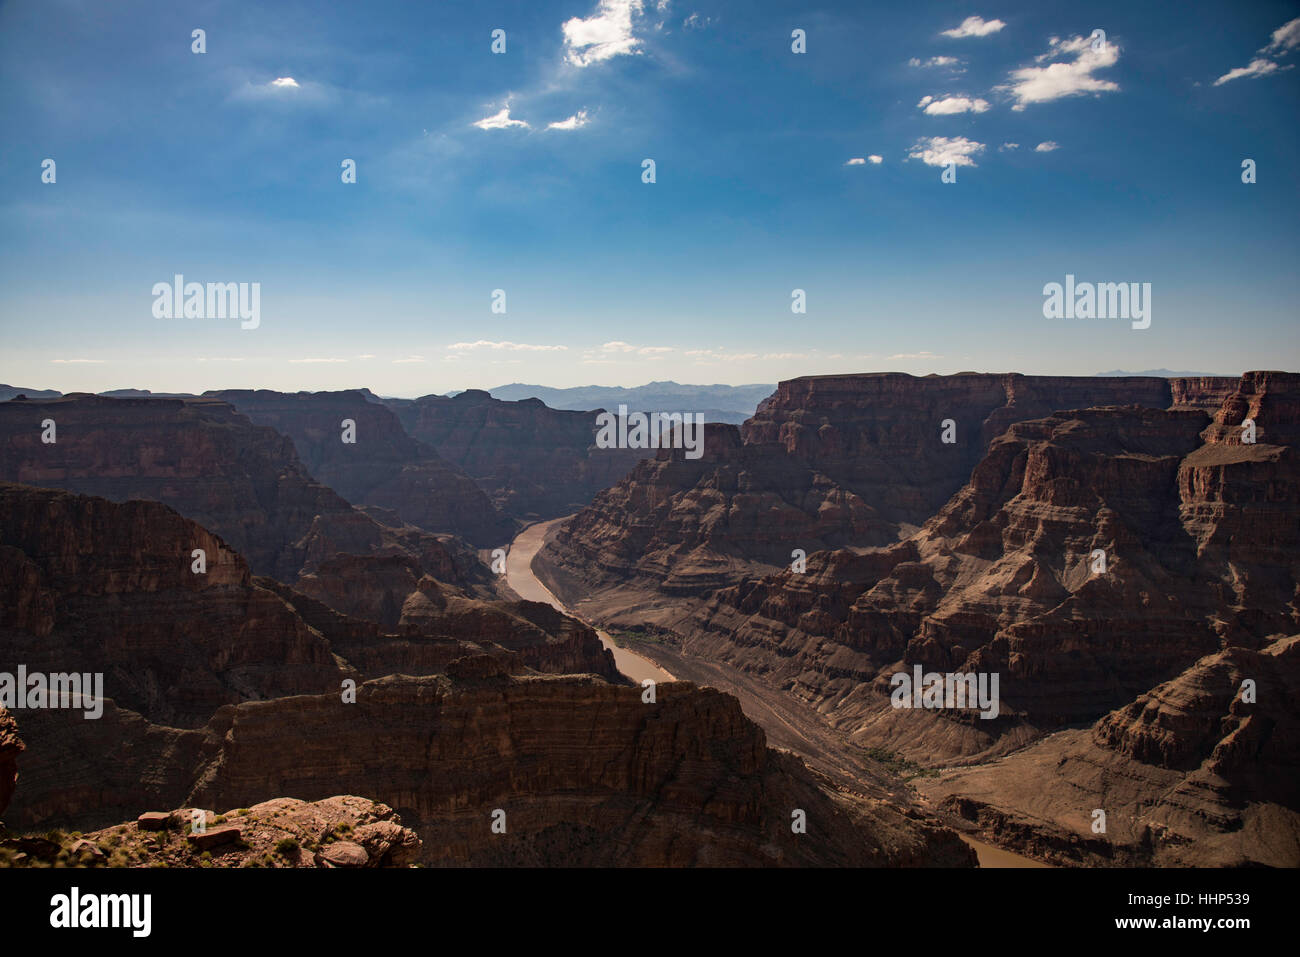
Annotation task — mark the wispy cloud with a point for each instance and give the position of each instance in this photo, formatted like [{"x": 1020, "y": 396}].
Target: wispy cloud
[
  {"x": 1072, "y": 76},
  {"x": 499, "y": 121},
  {"x": 619, "y": 347},
  {"x": 508, "y": 346},
  {"x": 576, "y": 122},
  {"x": 1008, "y": 146},
  {"x": 1047, "y": 146},
  {"x": 942, "y": 150},
  {"x": 408, "y": 359},
  {"x": 974, "y": 27},
  {"x": 949, "y": 105},
  {"x": 948, "y": 62},
  {"x": 913, "y": 355},
  {"x": 608, "y": 32},
  {"x": 77, "y": 361},
  {"x": 1285, "y": 39},
  {"x": 313, "y": 361}
]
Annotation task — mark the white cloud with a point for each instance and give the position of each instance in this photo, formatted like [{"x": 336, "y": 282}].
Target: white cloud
[
  {"x": 1008, "y": 146},
  {"x": 712, "y": 356},
  {"x": 696, "y": 22},
  {"x": 951, "y": 62},
  {"x": 398, "y": 362},
  {"x": 619, "y": 346},
  {"x": 856, "y": 161},
  {"x": 1073, "y": 77},
  {"x": 510, "y": 346},
  {"x": 1284, "y": 39},
  {"x": 607, "y": 33},
  {"x": 1047, "y": 146},
  {"x": 1256, "y": 67},
  {"x": 871, "y": 158},
  {"x": 875, "y": 160},
  {"x": 295, "y": 361},
  {"x": 500, "y": 121},
  {"x": 941, "y": 150},
  {"x": 77, "y": 361},
  {"x": 576, "y": 122},
  {"x": 285, "y": 82},
  {"x": 952, "y": 104},
  {"x": 974, "y": 27},
  {"x": 912, "y": 355}
]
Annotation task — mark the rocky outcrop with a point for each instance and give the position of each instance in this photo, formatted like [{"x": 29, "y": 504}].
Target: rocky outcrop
[
  {"x": 382, "y": 466},
  {"x": 340, "y": 831},
  {"x": 436, "y": 624},
  {"x": 533, "y": 461},
  {"x": 575, "y": 770},
  {"x": 10, "y": 747},
  {"x": 243, "y": 482},
  {"x": 1200, "y": 771},
  {"x": 89, "y": 586}
]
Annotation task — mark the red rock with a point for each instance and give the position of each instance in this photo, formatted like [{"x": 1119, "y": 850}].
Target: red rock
[
  {"x": 343, "y": 854},
  {"x": 385, "y": 467},
  {"x": 534, "y": 461},
  {"x": 214, "y": 837},
  {"x": 10, "y": 747}
]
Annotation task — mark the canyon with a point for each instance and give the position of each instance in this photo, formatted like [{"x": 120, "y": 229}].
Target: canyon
[
  {"x": 1196, "y": 531},
  {"x": 1120, "y": 552},
  {"x": 207, "y": 674}
]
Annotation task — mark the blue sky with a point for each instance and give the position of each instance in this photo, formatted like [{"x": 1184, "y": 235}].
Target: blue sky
[{"x": 225, "y": 167}]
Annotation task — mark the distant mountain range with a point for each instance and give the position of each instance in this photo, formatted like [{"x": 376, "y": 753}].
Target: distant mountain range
[
  {"x": 7, "y": 392},
  {"x": 1168, "y": 374},
  {"x": 718, "y": 403}
]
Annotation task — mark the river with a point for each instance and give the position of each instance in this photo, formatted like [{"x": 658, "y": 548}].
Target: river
[{"x": 520, "y": 577}]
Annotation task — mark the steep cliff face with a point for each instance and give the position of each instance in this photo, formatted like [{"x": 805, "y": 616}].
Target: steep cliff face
[
  {"x": 1200, "y": 771},
  {"x": 826, "y": 461},
  {"x": 10, "y": 747},
  {"x": 688, "y": 526},
  {"x": 1002, "y": 581},
  {"x": 383, "y": 466},
  {"x": 584, "y": 773},
  {"x": 880, "y": 436},
  {"x": 534, "y": 462},
  {"x": 92, "y": 586},
  {"x": 1091, "y": 555},
  {"x": 241, "y": 481}
]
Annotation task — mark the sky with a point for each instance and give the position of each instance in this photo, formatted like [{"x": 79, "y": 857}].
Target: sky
[{"x": 1112, "y": 156}]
